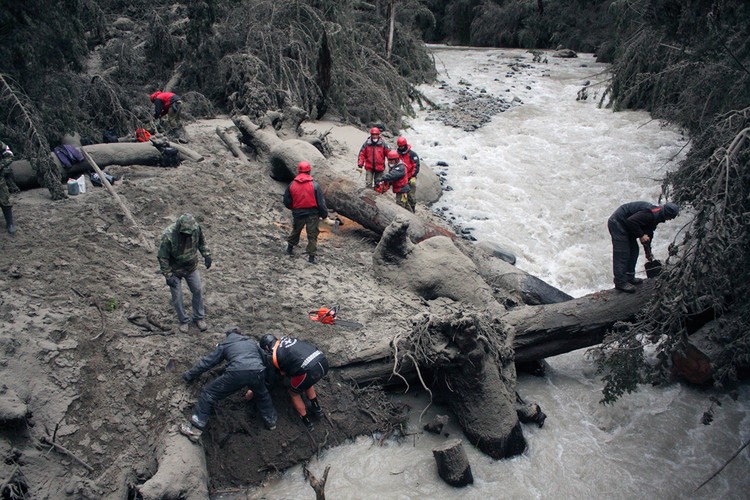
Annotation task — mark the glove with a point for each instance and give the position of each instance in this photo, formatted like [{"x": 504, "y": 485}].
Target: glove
[
  {"x": 329, "y": 221},
  {"x": 186, "y": 377},
  {"x": 413, "y": 181},
  {"x": 208, "y": 261},
  {"x": 173, "y": 281}
]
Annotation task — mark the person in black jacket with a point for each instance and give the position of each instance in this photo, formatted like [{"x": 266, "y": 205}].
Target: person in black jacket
[
  {"x": 244, "y": 368},
  {"x": 630, "y": 223},
  {"x": 302, "y": 364},
  {"x": 306, "y": 201}
]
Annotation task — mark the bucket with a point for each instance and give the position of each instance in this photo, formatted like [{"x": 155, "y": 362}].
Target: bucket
[
  {"x": 653, "y": 268},
  {"x": 73, "y": 187}
]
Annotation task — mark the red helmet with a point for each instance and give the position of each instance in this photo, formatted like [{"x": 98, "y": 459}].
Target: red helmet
[
  {"x": 401, "y": 142},
  {"x": 153, "y": 96},
  {"x": 303, "y": 167},
  {"x": 392, "y": 155},
  {"x": 374, "y": 131}
]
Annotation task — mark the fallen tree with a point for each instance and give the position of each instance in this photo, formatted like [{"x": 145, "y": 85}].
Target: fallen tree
[{"x": 119, "y": 153}]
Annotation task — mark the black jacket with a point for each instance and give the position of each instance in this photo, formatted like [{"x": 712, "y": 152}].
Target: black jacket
[
  {"x": 638, "y": 218},
  {"x": 295, "y": 356}
]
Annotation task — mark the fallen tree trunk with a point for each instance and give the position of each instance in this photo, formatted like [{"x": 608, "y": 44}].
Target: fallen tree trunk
[
  {"x": 539, "y": 332},
  {"x": 548, "y": 330},
  {"x": 117, "y": 153}
]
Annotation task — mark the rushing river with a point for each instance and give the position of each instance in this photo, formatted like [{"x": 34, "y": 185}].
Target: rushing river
[{"x": 541, "y": 179}]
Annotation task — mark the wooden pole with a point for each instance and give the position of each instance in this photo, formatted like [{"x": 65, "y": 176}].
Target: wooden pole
[
  {"x": 125, "y": 209},
  {"x": 236, "y": 151}
]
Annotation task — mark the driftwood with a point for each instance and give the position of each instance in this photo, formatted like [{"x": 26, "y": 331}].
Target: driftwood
[
  {"x": 146, "y": 243},
  {"x": 319, "y": 485},
  {"x": 234, "y": 148},
  {"x": 452, "y": 463}
]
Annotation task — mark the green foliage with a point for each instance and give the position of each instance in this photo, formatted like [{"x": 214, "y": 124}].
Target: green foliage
[{"x": 111, "y": 305}]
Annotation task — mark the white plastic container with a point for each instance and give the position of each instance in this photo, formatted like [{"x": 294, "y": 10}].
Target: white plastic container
[{"x": 81, "y": 184}]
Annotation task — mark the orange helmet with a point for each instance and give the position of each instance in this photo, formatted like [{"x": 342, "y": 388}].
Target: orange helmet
[
  {"x": 303, "y": 167},
  {"x": 401, "y": 142},
  {"x": 392, "y": 154},
  {"x": 374, "y": 131}
]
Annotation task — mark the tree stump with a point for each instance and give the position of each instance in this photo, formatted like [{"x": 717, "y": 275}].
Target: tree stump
[{"x": 452, "y": 463}]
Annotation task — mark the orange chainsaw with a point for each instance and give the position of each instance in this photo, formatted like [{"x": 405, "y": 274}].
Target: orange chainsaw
[{"x": 329, "y": 316}]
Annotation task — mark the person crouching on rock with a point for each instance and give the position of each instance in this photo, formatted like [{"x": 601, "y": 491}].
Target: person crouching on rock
[
  {"x": 302, "y": 365},
  {"x": 630, "y": 223},
  {"x": 244, "y": 368},
  {"x": 305, "y": 199},
  {"x": 178, "y": 258},
  {"x": 399, "y": 180}
]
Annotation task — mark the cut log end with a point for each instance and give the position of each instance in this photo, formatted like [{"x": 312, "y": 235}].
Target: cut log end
[{"x": 453, "y": 464}]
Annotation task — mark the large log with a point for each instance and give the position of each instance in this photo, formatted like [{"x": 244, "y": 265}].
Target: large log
[
  {"x": 539, "y": 332},
  {"x": 548, "y": 330},
  {"x": 117, "y": 153}
]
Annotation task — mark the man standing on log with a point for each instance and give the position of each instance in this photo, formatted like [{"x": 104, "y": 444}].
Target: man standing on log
[
  {"x": 372, "y": 157},
  {"x": 411, "y": 159},
  {"x": 305, "y": 199},
  {"x": 6, "y": 180},
  {"x": 630, "y": 223},
  {"x": 244, "y": 368},
  {"x": 398, "y": 178},
  {"x": 302, "y": 365},
  {"x": 178, "y": 259}
]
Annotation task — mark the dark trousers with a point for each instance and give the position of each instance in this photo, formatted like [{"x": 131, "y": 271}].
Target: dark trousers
[
  {"x": 229, "y": 383},
  {"x": 624, "y": 253},
  {"x": 311, "y": 225},
  {"x": 300, "y": 383}
]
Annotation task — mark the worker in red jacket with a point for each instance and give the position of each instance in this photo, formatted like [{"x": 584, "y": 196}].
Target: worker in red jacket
[
  {"x": 411, "y": 160},
  {"x": 168, "y": 104},
  {"x": 305, "y": 199},
  {"x": 398, "y": 179},
  {"x": 372, "y": 157}
]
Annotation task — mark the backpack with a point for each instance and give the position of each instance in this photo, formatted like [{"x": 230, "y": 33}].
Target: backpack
[
  {"x": 110, "y": 136},
  {"x": 142, "y": 135},
  {"x": 96, "y": 181},
  {"x": 169, "y": 157},
  {"x": 68, "y": 155}
]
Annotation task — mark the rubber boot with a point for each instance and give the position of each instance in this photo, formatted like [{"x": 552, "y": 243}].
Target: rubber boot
[
  {"x": 311, "y": 259},
  {"x": 289, "y": 249},
  {"x": 306, "y": 420},
  {"x": 315, "y": 407},
  {"x": 8, "y": 213}
]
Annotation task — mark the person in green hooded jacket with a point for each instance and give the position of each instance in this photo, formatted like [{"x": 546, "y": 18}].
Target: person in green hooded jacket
[{"x": 178, "y": 259}]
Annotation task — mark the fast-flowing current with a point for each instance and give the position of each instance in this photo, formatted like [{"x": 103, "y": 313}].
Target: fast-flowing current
[{"x": 541, "y": 179}]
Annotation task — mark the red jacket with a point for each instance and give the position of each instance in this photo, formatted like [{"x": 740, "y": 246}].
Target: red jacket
[
  {"x": 162, "y": 102},
  {"x": 372, "y": 155},
  {"x": 410, "y": 159}
]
